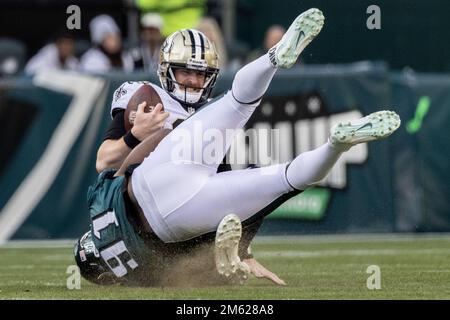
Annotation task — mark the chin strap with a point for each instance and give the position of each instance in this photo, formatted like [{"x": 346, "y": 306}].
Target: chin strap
[{"x": 188, "y": 97}]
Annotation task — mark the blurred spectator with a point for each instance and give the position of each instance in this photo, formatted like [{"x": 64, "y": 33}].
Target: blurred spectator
[
  {"x": 177, "y": 14},
  {"x": 272, "y": 37},
  {"x": 211, "y": 30},
  {"x": 106, "y": 53},
  {"x": 56, "y": 55},
  {"x": 12, "y": 56},
  {"x": 147, "y": 55}
]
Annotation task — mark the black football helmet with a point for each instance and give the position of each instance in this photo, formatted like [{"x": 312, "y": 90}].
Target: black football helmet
[{"x": 88, "y": 259}]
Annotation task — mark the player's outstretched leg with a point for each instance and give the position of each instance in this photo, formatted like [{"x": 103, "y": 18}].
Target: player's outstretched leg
[
  {"x": 250, "y": 192},
  {"x": 311, "y": 167},
  {"x": 249, "y": 85},
  {"x": 301, "y": 32},
  {"x": 252, "y": 81},
  {"x": 227, "y": 259}
]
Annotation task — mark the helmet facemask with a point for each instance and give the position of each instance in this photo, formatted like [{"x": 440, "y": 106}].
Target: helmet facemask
[{"x": 188, "y": 95}]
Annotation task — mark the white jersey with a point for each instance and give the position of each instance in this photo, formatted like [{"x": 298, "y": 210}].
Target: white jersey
[{"x": 123, "y": 94}]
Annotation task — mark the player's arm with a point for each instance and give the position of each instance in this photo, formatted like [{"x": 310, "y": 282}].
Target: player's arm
[
  {"x": 118, "y": 143},
  {"x": 111, "y": 154},
  {"x": 113, "y": 149},
  {"x": 139, "y": 153},
  {"x": 257, "y": 269}
]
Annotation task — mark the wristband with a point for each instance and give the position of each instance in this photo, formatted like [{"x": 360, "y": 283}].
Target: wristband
[{"x": 130, "y": 140}]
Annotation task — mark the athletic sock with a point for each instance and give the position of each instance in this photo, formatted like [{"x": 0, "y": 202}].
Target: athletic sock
[
  {"x": 252, "y": 81},
  {"x": 311, "y": 167}
]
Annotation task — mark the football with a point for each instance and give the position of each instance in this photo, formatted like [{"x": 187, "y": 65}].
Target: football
[{"x": 144, "y": 93}]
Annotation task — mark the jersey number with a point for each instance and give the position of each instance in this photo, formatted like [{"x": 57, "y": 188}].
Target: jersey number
[{"x": 116, "y": 254}]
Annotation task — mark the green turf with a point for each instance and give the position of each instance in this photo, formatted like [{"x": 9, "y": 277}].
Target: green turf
[{"x": 413, "y": 267}]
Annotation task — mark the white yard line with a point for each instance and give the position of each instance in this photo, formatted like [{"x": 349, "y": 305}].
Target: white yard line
[
  {"x": 351, "y": 238},
  {"x": 350, "y": 252},
  {"x": 27, "y": 244},
  {"x": 303, "y": 239}
]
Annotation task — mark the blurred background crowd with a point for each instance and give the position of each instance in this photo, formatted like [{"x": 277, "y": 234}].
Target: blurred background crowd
[
  {"x": 125, "y": 35},
  {"x": 124, "y": 41}
]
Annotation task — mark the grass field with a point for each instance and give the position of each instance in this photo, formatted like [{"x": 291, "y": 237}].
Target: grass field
[{"x": 315, "y": 267}]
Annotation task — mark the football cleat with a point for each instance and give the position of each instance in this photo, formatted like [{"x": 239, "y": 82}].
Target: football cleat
[
  {"x": 228, "y": 263},
  {"x": 301, "y": 32},
  {"x": 377, "y": 125}
]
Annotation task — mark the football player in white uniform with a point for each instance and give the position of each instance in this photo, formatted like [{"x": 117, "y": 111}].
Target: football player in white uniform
[
  {"x": 188, "y": 72},
  {"x": 180, "y": 196}
]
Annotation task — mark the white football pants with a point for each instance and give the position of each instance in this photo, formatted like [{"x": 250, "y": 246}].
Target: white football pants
[{"x": 179, "y": 189}]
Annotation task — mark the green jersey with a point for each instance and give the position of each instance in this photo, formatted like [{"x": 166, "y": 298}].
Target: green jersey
[{"x": 128, "y": 256}]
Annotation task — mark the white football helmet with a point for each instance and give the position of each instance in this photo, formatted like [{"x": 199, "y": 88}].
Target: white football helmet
[{"x": 189, "y": 49}]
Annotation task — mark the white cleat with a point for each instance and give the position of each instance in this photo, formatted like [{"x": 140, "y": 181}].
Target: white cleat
[
  {"x": 228, "y": 263},
  {"x": 301, "y": 32},
  {"x": 377, "y": 125}
]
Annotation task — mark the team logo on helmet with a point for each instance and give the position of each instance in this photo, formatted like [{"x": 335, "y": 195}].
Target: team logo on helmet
[{"x": 88, "y": 259}]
